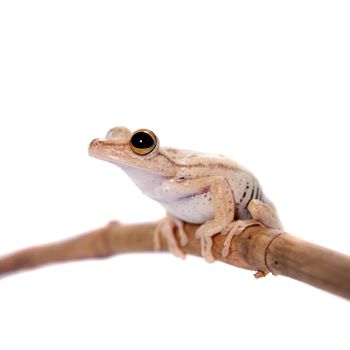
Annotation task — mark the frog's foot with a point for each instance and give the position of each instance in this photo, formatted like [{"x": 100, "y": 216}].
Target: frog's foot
[
  {"x": 166, "y": 228},
  {"x": 205, "y": 233},
  {"x": 233, "y": 229}
]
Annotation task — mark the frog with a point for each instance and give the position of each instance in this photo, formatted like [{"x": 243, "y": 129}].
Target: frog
[{"x": 210, "y": 190}]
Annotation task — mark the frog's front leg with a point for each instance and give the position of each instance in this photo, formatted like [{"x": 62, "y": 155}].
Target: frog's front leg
[{"x": 222, "y": 205}]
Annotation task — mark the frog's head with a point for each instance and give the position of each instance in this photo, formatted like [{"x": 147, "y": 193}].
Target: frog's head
[{"x": 139, "y": 149}]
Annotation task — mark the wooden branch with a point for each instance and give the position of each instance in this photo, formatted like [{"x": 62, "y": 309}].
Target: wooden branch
[{"x": 257, "y": 248}]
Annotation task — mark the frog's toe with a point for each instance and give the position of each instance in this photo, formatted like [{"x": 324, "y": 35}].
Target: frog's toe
[
  {"x": 166, "y": 229},
  {"x": 206, "y": 249},
  {"x": 181, "y": 232},
  {"x": 233, "y": 229}
]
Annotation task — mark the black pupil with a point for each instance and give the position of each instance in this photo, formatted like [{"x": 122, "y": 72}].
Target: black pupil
[{"x": 142, "y": 140}]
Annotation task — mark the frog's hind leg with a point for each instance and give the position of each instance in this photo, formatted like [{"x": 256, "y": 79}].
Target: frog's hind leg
[{"x": 263, "y": 214}]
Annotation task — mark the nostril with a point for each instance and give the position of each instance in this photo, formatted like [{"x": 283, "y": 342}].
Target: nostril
[
  {"x": 93, "y": 142},
  {"x": 93, "y": 146}
]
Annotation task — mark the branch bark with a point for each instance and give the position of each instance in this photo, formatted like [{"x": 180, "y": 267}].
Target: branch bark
[{"x": 257, "y": 248}]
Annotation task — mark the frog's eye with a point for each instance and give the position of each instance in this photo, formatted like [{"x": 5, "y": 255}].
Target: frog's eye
[{"x": 143, "y": 142}]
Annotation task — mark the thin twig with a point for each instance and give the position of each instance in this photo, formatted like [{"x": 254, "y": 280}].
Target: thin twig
[{"x": 257, "y": 248}]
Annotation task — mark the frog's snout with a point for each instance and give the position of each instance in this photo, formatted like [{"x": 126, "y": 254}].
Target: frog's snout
[
  {"x": 115, "y": 137},
  {"x": 92, "y": 142},
  {"x": 105, "y": 148},
  {"x": 92, "y": 146}
]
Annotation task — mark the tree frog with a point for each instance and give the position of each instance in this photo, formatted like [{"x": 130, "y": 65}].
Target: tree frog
[{"x": 210, "y": 190}]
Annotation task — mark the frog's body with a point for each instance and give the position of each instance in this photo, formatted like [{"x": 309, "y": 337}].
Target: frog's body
[
  {"x": 195, "y": 206},
  {"x": 211, "y": 190}
]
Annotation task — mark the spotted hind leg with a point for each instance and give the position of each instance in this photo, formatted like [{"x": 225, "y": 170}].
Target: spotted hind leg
[
  {"x": 265, "y": 214},
  {"x": 262, "y": 214}
]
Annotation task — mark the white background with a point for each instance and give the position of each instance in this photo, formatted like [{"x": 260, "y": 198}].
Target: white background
[{"x": 264, "y": 82}]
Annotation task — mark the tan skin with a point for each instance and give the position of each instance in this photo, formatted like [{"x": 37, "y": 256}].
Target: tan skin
[{"x": 210, "y": 190}]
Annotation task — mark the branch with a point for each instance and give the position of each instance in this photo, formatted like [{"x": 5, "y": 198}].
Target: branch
[{"x": 257, "y": 248}]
